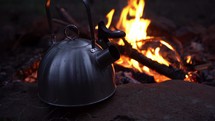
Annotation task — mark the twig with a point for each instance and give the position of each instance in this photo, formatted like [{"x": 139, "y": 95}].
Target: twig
[
  {"x": 68, "y": 19},
  {"x": 64, "y": 23},
  {"x": 65, "y": 15}
]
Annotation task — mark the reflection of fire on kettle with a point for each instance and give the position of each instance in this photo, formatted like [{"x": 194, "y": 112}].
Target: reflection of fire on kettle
[{"x": 77, "y": 71}]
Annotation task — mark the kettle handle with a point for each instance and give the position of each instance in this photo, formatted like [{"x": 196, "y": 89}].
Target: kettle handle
[
  {"x": 104, "y": 33},
  {"x": 86, "y": 4}
]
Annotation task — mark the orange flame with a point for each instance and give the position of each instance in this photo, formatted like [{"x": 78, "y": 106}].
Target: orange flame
[
  {"x": 136, "y": 29},
  {"x": 109, "y": 17}
]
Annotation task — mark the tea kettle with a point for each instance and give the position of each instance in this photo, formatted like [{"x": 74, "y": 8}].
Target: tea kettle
[{"x": 77, "y": 71}]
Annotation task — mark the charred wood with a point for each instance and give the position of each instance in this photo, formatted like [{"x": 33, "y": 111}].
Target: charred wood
[
  {"x": 168, "y": 71},
  {"x": 140, "y": 77}
]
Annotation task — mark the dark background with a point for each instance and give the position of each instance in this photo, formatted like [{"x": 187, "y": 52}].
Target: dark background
[
  {"x": 16, "y": 15},
  {"x": 180, "y": 11}
]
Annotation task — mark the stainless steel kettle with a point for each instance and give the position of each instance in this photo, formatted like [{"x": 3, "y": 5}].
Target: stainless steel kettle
[{"x": 77, "y": 71}]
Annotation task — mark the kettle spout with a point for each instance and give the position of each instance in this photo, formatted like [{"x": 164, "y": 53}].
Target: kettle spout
[{"x": 107, "y": 56}]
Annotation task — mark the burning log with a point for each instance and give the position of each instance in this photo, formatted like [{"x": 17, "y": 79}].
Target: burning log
[{"x": 168, "y": 71}]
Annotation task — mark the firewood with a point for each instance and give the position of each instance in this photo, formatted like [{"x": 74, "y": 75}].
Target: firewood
[
  {"x": 139, "y": 76},
  {"x": 124, "y": 78},
  {"x": 202, "y": 66},
  {"x": 65, "y": 15},
  {"x": 61, "y": 22},
  {"x": 168, "y": 71},
  {"x": 68, "y": 19},
  {"x": 83, "y": 32}
]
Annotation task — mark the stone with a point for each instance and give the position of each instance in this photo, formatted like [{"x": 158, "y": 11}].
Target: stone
[{"x": 171, "y": 100}]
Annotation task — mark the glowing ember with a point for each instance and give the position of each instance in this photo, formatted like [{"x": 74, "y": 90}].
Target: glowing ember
[
  {"x": 31, "y": 78},
  {"x": 188, "y": 60},
  {"x": 191, "y": 76}
]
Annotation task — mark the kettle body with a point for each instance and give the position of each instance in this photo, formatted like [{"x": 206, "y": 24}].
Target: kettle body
[
  {"x": 70, "y": 75},
  {"x": 78, "y": 72}
]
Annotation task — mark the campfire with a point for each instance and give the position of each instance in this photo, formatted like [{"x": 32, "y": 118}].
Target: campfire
[
  {"x": 135, "y": 26},
  {"x": 150, "y": 57}
]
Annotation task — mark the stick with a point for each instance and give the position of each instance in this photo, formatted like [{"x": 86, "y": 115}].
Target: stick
[
  {"x": 60, "y": 21},
  {"x": 170, "y": 71},
  {"x": 65, "y": 15},
  {"x": 139, "y": 76},
  {"x": 83, "y": 33}
]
